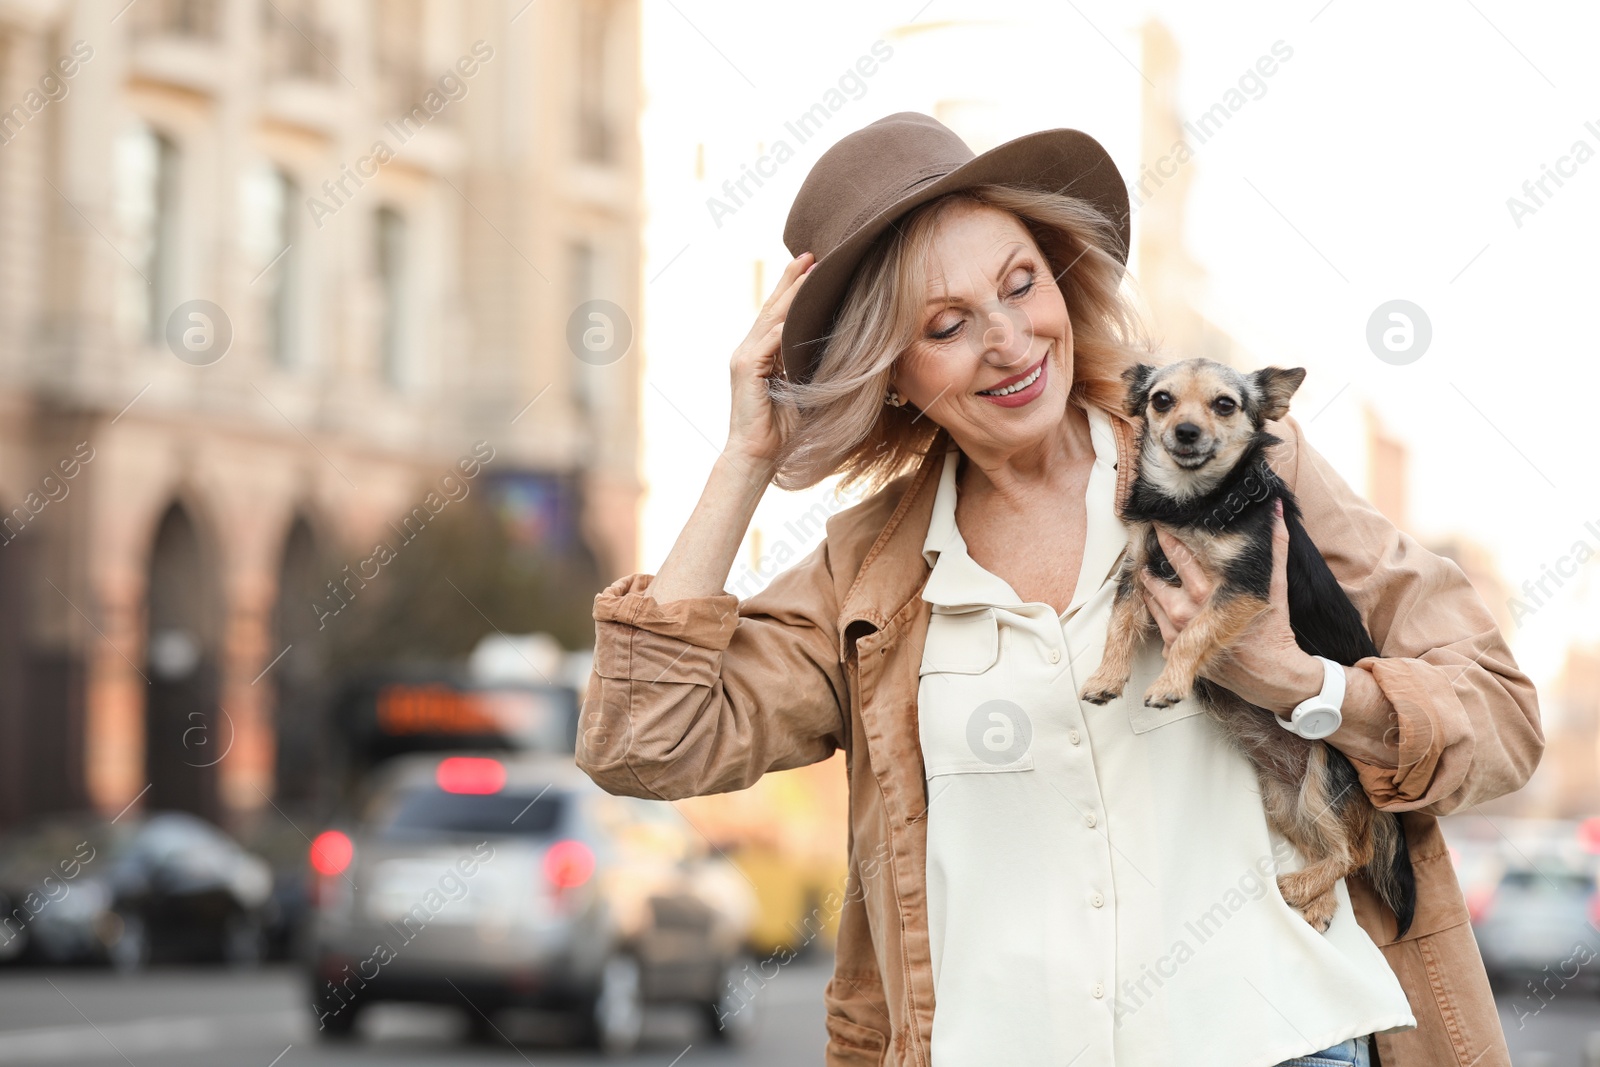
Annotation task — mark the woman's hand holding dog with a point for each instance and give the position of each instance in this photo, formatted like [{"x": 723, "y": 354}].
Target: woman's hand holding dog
[{"x": 1266, "y": 666}]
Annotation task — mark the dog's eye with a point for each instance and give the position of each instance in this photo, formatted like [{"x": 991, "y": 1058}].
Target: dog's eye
[
  {"x": 1161, "y": 401},
  {"x": 1224, "y": 405}
]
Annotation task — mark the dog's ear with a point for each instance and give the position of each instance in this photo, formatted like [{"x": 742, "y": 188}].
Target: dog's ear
[
  {"x": 1138, "y": 378},
  {"x": 1274, "y": 386}
]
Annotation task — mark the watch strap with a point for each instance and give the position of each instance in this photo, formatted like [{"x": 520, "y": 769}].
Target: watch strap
[{"x": 1329, "y": 699}]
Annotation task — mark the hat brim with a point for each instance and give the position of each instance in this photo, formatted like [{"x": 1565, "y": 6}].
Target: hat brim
[{"x": 1063, "y": 161}]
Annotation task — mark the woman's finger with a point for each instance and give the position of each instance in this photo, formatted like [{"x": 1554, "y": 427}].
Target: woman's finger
[
  {"x": 789, "y": 284},
  {"x": 1163, "y": 621},
  {"x": 776, "y": 309},
  {"x": 1278, "y": 592},
  {"x": 791, "y": 270},
  {"x": 1172, "y": 602},
  {"x": 1184, "y": 562}
]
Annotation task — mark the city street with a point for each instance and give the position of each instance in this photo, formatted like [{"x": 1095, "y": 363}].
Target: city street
[
  {"x": 1566, "y": 1033},
  {"x": 191, "y": 1017}
]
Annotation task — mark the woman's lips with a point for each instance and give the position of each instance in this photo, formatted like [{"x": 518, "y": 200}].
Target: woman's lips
[{"x": 1040, "y": 374}]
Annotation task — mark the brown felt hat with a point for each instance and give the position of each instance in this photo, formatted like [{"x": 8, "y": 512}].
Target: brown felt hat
[{"x": 880, "y": 172}]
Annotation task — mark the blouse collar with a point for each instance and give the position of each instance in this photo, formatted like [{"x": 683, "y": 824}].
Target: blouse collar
[{"x": 958, "y": 581}]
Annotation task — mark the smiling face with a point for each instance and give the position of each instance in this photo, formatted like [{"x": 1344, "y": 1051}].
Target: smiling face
[{"x": 992, "y": 362}]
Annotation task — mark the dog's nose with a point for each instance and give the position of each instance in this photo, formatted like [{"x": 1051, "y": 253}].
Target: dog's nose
[{"x": 1187, "y": 433}]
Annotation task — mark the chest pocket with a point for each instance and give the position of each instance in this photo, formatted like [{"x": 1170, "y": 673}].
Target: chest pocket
[
  {"x": 1147, "y": 666},
  {"x": 966, "y": 722}
]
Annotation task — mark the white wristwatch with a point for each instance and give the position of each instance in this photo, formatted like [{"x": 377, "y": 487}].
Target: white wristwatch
[{"x": 1316, "y": 717}]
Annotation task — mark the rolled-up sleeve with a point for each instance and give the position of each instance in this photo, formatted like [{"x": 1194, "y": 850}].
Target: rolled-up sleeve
[
  {"x": 706, "y": 694},
  {"x": 1466, "y": 719}
]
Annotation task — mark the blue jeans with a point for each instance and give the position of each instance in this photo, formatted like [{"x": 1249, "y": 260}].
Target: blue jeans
[{"x": 1357, "y": 1052}]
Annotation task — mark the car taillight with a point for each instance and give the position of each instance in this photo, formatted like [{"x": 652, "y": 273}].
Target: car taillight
[
  {"x": 470, "y": 774},
  {"x": 568, "y": 864},
  {"x": 331, "y": 853},
  {"x": 1480, "y": 901}
]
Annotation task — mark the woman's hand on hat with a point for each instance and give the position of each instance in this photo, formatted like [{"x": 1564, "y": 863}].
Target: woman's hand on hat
[{"x": 756, "y": 426}]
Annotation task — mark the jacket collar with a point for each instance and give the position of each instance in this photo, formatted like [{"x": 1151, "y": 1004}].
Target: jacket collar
[{"x": 894, "y": 569}]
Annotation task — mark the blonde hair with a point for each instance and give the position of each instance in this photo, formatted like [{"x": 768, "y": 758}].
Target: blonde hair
[{"x": 843, "y": 425}]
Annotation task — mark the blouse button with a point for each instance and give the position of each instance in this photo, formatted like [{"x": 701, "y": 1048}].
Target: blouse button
[
  {"x": 1072, "y": 735},
  {"x": 1097, "y": 900},
  {"x": 1099, "y": 990},
  {"x": 1055, "y": 655},
  {"x": 1089, "y": 819}
]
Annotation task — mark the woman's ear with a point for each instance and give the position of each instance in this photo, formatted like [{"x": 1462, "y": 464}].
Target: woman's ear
[{"x": 1138, "y": 378}]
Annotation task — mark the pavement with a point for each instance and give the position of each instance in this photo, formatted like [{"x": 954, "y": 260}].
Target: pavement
[
  {"x": 1561, "y": 1029},
  {"x": 212, "y": 1017}
]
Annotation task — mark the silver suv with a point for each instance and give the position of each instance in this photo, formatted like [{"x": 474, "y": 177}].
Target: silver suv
[{"x": 491, "y": 881}]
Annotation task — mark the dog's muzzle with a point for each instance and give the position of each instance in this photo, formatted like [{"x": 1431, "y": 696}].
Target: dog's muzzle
[{"x": 1187, "y": 450}]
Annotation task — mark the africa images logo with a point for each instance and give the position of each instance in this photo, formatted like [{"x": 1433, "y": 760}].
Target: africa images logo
[{"x": 999, "y": 732}]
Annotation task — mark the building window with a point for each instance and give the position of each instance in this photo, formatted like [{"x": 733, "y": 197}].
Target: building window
[
  {"x": 180, "y": 18},
  {"x": 296, "y": 42},
  {"x": 270, "y": 226},
  {"x": 397, "y": 29},
  {"x": 391, "y": 253},
  {"x": 146, "y": 186},
  {"x": 594, "y": 131}
]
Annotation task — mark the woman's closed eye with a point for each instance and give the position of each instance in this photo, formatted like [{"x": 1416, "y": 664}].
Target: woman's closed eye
[
  {"x": 1026, "y": 284},
  {"x": 1022, "y": 287}
]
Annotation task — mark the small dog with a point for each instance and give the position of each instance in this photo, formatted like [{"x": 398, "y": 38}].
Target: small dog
[{"x": 1203, "y": 475}]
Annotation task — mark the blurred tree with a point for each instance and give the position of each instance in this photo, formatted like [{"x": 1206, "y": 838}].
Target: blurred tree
[{"x": 458, "y": 579}]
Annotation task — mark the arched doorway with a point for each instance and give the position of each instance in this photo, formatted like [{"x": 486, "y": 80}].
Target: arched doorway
[
  {"x": 42, "y": 677},
  {"x": 187, "y": 732},
  {"x": 16, "y": 757},
  {"x": 298, "y": 716}
]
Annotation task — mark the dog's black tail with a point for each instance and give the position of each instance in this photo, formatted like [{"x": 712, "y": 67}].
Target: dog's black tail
[
  {"x": 1327, "y": 623},
  {"x": 1390, "y": 871}
]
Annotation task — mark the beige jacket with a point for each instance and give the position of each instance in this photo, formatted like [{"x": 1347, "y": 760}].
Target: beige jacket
[{"x": 705, "y": 695}]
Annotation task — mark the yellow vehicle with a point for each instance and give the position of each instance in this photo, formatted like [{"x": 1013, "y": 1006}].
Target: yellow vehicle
[{"x": 787, "y": 834}]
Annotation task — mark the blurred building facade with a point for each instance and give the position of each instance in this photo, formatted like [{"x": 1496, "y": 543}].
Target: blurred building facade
[
  {"x": 1170, "y": 281},
  {"x": 1572, "y": 761},
  {"x": 395, "y": 215}
]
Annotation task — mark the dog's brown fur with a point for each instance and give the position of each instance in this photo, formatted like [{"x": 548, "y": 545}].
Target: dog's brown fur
[{"x": 1310, "y": 791}]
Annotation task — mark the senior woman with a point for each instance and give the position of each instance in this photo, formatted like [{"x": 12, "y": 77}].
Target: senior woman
[{"x": 1035, "y": 880}]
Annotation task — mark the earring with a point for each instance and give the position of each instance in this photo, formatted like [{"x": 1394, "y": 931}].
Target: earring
[{"x": 894, "y": 399}]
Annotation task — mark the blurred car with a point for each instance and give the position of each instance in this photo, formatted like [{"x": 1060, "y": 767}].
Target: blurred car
[
  {"x": 279, "y": 842},
  {"x": 500, "y": 881},
  {"x": 1541, "y": 922},
  {"x": 162, "y": 888},
  {"x": 1479, "y": 868}
]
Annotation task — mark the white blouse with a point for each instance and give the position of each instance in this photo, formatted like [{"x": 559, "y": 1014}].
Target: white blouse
[{"x": 1101, "y": 880}]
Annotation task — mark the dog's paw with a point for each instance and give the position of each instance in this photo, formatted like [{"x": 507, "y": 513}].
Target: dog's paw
[
  {"x": 1160, "y": 696},
  {"x": 1097, "y": 692},
  {"x": 1317, "y": 911}
]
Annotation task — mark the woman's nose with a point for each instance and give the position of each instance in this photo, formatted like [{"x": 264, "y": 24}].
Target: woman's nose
[{"x": 1007, "y": 336}]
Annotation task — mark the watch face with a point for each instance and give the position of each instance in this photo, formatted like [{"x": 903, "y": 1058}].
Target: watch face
[{"x": 1318, "y": 722}]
